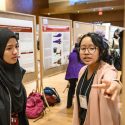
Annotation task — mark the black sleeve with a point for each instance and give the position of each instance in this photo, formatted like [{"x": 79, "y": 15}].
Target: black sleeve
[
  {"x": 4, "y": 107},
  {"x": 23, "y": 120}
]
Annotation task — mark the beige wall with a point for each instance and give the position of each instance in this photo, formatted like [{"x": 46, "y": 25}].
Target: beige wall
[
  {"x": 114, "y": 17},
  {"x": 63, "y": 16}
]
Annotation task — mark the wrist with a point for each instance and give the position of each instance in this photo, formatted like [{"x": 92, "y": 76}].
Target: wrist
[{"x": 119, "y": 82}]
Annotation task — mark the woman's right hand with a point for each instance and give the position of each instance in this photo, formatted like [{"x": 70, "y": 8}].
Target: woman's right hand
[{"x": 111, "y": 88}]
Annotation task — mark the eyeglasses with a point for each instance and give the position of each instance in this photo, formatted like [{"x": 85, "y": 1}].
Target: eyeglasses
[{"x": 91, "y": 50}]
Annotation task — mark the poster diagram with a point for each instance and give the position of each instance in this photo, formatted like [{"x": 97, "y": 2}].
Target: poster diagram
[
  {"x": 24, "y": 31},
  {"x": 56, "y": 44}
]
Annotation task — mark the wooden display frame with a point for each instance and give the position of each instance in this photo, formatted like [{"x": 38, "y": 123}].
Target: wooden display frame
[
  {"x": 101, "y": 28},
  {"x": 54, "y": 70},
  {"x": 31, "y": 76},
  {"x": 58, "y": 22},
  {"x": 81, "y": 28}
]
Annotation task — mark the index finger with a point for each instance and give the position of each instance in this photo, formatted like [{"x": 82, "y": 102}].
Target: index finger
[
  {"x": 99, "y": 86},
  {"x": 104, "y": 85}
]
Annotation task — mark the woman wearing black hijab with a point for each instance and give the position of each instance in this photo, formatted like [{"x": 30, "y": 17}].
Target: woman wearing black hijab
[{"x": 12, "y": 91}]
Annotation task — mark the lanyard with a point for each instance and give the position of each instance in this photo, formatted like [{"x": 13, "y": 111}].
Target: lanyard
[{"x": 91, "y": 79}]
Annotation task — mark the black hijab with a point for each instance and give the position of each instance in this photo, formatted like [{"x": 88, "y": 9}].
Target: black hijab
[{"x": 11, "y": 74}]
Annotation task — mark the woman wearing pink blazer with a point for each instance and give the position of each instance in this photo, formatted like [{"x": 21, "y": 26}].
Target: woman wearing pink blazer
[{"x": 96, "y": 106}]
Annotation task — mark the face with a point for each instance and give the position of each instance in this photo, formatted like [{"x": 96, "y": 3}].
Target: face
[
  {"x": 11, "y": 51},
  {"x": 89, "y": 53},
  {"x": 117, "y": 34}
]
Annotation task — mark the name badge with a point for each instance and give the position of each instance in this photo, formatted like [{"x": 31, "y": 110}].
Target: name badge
[{"x": 83, "y": 101}]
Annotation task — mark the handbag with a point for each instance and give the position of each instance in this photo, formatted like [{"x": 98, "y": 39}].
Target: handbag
[
  {"x": 35, "y": 105},
  {"x": 52, "y": 96}
]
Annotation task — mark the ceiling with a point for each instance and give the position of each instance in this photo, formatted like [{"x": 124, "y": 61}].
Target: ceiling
[
  {"x": 76, "y": 1},
  {"x": 84, "y": 6},
  {"x": 54, "y": 1}
]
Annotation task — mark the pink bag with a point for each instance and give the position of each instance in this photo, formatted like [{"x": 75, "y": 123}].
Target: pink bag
[{"x": 34, "y": 105}]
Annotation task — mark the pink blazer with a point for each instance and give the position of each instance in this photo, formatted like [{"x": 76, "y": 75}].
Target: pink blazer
[{"x": 101, "y": 111}]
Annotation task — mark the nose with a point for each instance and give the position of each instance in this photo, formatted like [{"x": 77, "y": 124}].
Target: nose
[
  {"x": 15, "y": 51},
  {"x": 86, "y": 51}
]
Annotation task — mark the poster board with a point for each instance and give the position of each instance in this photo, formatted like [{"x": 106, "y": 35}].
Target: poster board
[
  {"x": 24, "y": 26},
  {"x": 55, "y": 42},
  {"x": 103, "y": 29},
  {"x": 100, "y": 28},
  {"x": 107, "y": 25},
  {"x": 81, "y": 28},
  {"x": 111, "y": 32}
]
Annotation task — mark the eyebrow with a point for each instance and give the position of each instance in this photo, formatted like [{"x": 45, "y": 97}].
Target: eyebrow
[
  {"x": 9, "y": 45},
  {"x": 90, "y": 45}
]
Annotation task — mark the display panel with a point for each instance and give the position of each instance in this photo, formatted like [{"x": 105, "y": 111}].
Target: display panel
[
  {"x": 24, "y": 32},
  {"x": 24, "y": 27},
  {"x": 56, "y": 45}
]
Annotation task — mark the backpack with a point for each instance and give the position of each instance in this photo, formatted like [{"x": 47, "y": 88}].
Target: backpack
[
  {"x": 34, "y": 105},
  {"x": 52, "y": 96}
]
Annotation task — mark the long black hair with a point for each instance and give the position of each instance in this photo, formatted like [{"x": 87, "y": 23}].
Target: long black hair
[
  {"x": 101, "y": 43},
  {"x": 116, "y": 33},
  {"x": 76, "y": 49}
]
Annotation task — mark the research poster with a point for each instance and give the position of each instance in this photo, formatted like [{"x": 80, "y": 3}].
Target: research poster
[
  {"x": 24, "y": 32},
  {"x": 56, "y": 45}
]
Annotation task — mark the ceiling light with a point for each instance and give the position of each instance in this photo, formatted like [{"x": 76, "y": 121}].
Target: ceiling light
[{"x": 100, "y": 13}]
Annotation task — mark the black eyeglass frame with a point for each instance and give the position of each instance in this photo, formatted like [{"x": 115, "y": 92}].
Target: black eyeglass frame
[{"x": 91, "y": 50}]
